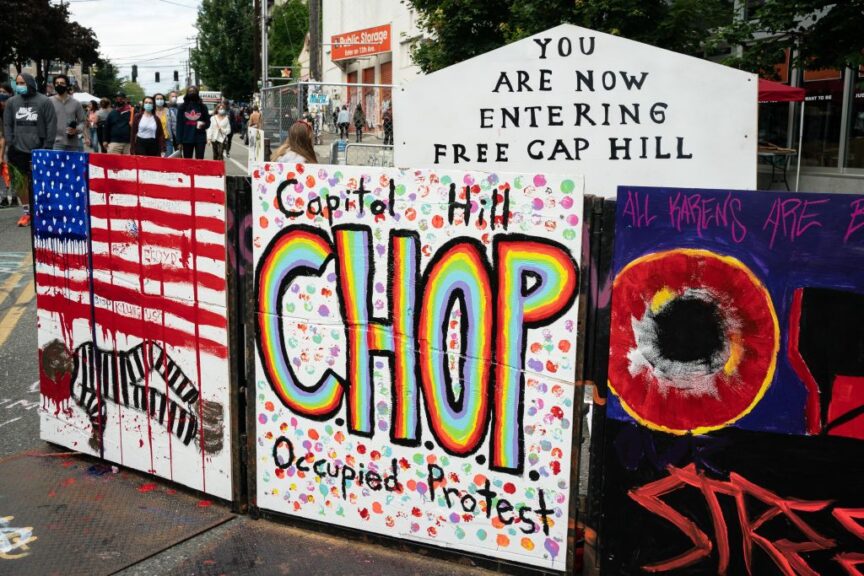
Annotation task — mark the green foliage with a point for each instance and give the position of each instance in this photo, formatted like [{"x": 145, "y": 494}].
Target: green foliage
[
  {"x": 289, "y": 24},
  {"x": 460, "y": 29},
  {"x": 826, "y": 34},
  {"x": 17, "y": 181},
  {"x": 225, "y": 55},
  {"x": 106, "y": 79},
  {"x": 134, "y": 92},
  {"x": 41, "y": 31}
]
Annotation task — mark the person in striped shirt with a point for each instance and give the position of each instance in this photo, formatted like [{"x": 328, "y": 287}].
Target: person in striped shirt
[{"x": 98, "y": 377}]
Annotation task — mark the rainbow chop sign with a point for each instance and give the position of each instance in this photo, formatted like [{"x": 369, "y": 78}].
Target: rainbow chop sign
[{"x": 416, "y": 353}]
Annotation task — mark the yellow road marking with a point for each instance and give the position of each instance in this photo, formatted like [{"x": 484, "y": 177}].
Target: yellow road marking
[
  {"x": 13, "y": 280},
  {"x": 15, "y": 312}
]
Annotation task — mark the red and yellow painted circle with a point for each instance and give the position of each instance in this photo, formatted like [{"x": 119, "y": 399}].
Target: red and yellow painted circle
[{"x": 728, "y": 391}]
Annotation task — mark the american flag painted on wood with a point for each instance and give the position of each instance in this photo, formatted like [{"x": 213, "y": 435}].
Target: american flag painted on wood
[{"x": 137, "y": 297}]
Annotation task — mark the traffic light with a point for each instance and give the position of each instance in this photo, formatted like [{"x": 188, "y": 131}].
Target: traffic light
[
  {"x": 157, "y": 77},
  {"x": 134, "y": 73},
  {"x": 176, "y": 76}
]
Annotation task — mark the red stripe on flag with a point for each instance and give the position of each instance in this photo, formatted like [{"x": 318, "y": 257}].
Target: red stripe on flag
[
  {"x": 157, "y": 191},
  {"x": 163, "y": 218},
  {"x": 188, "y": 167},
  {"x": 117, "y": 293},
  {"x": 62, "y": 262},
  {"x": 172, "y": 241},
  {"x": 110, "y": 321}
]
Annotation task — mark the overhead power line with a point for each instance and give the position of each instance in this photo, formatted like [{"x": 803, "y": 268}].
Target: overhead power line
[{"x": 151, "y": 53}]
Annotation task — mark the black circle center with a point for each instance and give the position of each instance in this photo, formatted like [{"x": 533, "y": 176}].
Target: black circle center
[{"x": 689, "y": 330}]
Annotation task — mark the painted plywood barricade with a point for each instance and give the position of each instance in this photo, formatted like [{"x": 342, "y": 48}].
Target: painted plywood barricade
[
  {"x": 416, "y": 353},
  {"x": 736, "y": 376},
  {"x": 131, "y": 298},
  {"x": 567, "y": 99}
]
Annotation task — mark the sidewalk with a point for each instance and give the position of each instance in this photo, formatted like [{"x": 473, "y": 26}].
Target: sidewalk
[{"x": 65, "y": 514}]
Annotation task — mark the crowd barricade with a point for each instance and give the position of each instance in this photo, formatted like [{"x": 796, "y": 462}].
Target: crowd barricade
[
  {"x": 410, "y": 354},
  {"x": 320, "y": 103}
]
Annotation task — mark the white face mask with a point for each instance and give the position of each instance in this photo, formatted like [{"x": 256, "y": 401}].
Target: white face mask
[
  {"x": 160, "y": 102},
  {"x": 173, "y": 100}
]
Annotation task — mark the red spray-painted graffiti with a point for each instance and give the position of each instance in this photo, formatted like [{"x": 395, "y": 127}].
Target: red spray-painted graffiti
[{"x": 785, "y": 554}]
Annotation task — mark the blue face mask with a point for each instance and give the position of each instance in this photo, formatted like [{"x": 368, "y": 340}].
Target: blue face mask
[
  {"x": 148, "y": 107},
  {"x": 4, "y": 97},
  {"x": 21, "y": 89}
]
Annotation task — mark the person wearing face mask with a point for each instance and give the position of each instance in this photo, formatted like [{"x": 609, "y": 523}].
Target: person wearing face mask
[
  {"x": 161, "y": 113},
  {"x": 220, "y": 129},
  {"x": 118, "y": 126},
  {"x": 29, "y": 124},
  {"x": 101, "y": 118},
  {"x": 70, "y": 117},
  {"x": 93, "y": 125},
  {"x": 171, "y": 134},
  {"x": 193, "y": 120},
  {"x": 148, "y": 137}
]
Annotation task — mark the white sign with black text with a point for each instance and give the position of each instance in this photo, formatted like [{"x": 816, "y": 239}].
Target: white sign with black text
[{"x": 574, "y": 100}]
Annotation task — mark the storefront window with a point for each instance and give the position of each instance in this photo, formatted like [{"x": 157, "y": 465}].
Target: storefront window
[
  {"x": 774, "y": 123},
  {"x": 855, "y": 150},
  {"x": 822, "y": 116}
]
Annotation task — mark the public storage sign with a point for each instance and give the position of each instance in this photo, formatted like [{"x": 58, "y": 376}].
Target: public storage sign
[
  {"x": 360, "y": 43},
  {"x": 416, "y": 357},
  {"x": 567, "y": 99}
]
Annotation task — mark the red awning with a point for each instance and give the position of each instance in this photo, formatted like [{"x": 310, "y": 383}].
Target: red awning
[{"x": 770, "y": 91}]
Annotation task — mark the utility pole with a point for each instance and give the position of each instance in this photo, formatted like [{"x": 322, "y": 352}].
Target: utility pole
[
  {"x": 193, "y": 70},
  {"x": 189, "y": 68},
  {"x": 265, "y": 74},
  {"x": 315, "y": 40},
  {"x": 257, "y": 44}
]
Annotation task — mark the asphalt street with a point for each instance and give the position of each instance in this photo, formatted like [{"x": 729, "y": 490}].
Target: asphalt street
[{"x": 19, "y": 392}]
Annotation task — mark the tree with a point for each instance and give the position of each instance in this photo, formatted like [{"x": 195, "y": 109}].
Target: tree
[
  {"x": 225, "y": 46},
  {"x": 134, "y": 91},
  {"x": 106, "y": 79},
  {"x": 461, "y": 29},
  {"x": 819, "y": 33},
  {"x": 15, "y": 14},
  {"x": 289, "y": 24},
  {"x": 42, "y": 32}
]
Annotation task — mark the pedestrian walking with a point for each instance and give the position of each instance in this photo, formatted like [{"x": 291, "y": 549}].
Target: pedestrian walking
[
  {"x": 387, "y": 120},
  {"x": 6, "y": 195},
  {"x": 342, "y": 121},
  {"x": 161, "y": 113},
  {"x": 29, "y": 124},
  {"x": 171, "y": 144},
  {"x": 193, "y": 120},
  {"x": 219, "y": 131},
  {"x": 317, "y": 123},
  {"x": 254, "y": 122},
  {"x": 247, "y": 112},
  {"x": 148, "y": 136},
  {"x": 359, "y": 122},
  {"x": 102, "y": 117},
  {"x": 297, "y": 148},
  {"x": 236, "y": 125},
  {"x": 70, "y": 117},
  {"x": 118, "y": 126},
  {"x": 93, "y": 125}
]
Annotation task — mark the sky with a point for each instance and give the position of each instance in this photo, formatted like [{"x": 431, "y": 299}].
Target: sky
[{"x": 154, "y": 34}]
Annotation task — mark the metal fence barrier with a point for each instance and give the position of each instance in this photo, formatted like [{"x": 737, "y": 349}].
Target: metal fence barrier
[{"x": 365, "y": 139}]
